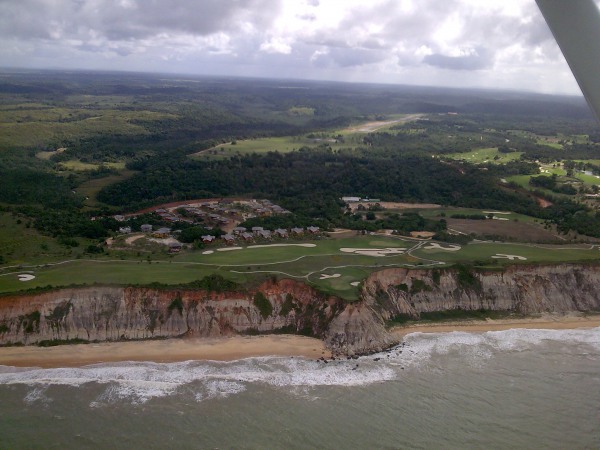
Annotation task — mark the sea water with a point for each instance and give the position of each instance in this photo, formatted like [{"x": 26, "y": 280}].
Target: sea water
[{"x": 508, "y": 389}]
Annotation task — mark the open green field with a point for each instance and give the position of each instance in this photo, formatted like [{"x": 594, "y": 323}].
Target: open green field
[
  {"x": 20, "y": 243},
  {"x": 484, "y": 155},
  {"x": 91, "y": 187},
  {"x": 37, "y": 127},
  {"x": 350, "y": 138},
  {"x": 336, "y": 266},
  {"x": 79, "y": 166}
]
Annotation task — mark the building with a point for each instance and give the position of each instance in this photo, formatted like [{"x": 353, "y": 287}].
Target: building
[
  {"x": 124, "y": 230},
  {"x": 247, "y": 236},
  {"x": 146, "y": 228},
  {"x": 162, "y": 233},
  {"x": 298, "y": 231},
  {"x": 239, "y": 230},
  {"x": 257, "y": 230},
  {"x": 119, "y": 218},
  {"x": 229, "y": 239},
  {"x": 208, "y": 239},
  {"x": 280, "y": 232},
  {"x": 175, "y": 247},
  {"x": 265, "y": 234},
  {"x": 351, "y": 199},
  {"x": 313, "y": 230}
]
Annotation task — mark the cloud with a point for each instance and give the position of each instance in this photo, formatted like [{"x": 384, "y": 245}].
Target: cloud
[
  {"x": 425, "y": 41},
  {"x": 473, "y": 61},
  {"x": 130, "y": 19}
]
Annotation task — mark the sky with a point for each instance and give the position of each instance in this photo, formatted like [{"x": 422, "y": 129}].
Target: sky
[{"x": 459, "y": 43}]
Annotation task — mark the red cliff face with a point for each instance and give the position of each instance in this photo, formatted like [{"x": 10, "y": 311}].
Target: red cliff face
[{"x": 112, "y": 313}]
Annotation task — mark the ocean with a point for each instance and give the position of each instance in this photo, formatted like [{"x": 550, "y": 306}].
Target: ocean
[{"x": 494, "y": 390}]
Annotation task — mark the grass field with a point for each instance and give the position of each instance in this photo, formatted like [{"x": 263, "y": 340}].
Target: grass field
[
  {"x": 484, "y": 155},
  {"x": 92, "y": 187},
  {"x": 20, "y": 244},
  {"x": 78, "y": 166},
  {"x": 351, "y": 137},
  {"x": 325, "y": 265},
  {"x": 37, "y": 126}
]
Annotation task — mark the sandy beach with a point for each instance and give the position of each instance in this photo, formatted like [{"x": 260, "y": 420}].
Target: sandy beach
[
  {"x": 544, "y": 322},
  {"x": 167, "y": 350}
]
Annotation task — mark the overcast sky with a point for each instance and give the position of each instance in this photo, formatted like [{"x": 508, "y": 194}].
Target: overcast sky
[{"x": 467, "y": 43}]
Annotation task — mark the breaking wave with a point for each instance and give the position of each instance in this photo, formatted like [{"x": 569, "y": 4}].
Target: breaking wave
[{"x": 136, "y": 382}]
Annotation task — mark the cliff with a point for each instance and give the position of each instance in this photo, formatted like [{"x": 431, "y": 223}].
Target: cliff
[
  {"x": 520, "y": 289},
  {"x": 286, "y": 306},
  {"x": 113, "y": 313}
]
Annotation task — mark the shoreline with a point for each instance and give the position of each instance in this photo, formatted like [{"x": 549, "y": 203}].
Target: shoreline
[
  {"x": 544, "y": 322},
  {"x": 241, "y": 347},
  {"x": 164, "y": 351}
]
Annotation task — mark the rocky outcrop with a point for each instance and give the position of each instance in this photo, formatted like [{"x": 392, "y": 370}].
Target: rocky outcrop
[{"x": 286, "y": 306}]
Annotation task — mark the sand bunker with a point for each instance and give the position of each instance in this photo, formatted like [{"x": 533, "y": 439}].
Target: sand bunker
[
  {"x": 511, "y": 257},
  {"x": 326, "y": 277},
  {"x": 355, "y": 283},
  {"x": 208, "y": 252},
  {"x": 496, "y": 212},
  {"x": 130, "y": 240},
  {"x": 500, "y": 218},
  {"x": 448, "y": 248},
  {"x": 25, "y": 277},
  {"x": 282, "y": 245},
  {"x": 228, "y": 249},
  {"x": 378, "y": 252}
]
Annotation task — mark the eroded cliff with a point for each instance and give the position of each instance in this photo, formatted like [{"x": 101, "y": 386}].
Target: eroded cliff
[
  {"x": 286, "y": 306},
  {"x": 113, "y": 313}
]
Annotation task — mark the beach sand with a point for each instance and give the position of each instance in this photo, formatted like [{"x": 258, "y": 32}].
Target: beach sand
[
  {"x": 166, "y": 350},
  {"x": 544, "y": 322}
]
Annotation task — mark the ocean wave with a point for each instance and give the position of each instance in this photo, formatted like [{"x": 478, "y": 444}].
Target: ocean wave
[
  {"x": 477, "y": 347},
  {"x": 138, "y": 382}
]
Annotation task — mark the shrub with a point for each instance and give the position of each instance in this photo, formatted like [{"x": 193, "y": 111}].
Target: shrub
[{"x": 263, "y": 304}]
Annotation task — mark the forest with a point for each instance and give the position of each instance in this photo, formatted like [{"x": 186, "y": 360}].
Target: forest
[{"x": 76, "y": 146}]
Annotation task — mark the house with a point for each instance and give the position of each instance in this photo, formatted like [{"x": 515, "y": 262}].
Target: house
[
  {"x": 146, "y": 228},
  {"x": 313, "y": 230},
  {"x": 247, "y": 236},
  {"x": 124, "y": 230},
  {"x": 175, "y": 247},
  {"x": 208, "y": 239},
  {"x": 239, "y": 230},
  {"x": 257, "y": 230},
  {"x": 265, "y": 234},
  {"x": 162, "y": 233},
  {"x": 228, "y": 238},
  {"x": 298, "y": 231},
  {"x": 280, "y": 232}
]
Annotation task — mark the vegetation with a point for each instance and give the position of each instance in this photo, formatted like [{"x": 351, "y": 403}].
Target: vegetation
[
  {"x": 263, "y": 304},
  {"x": 77, "y": 149}
]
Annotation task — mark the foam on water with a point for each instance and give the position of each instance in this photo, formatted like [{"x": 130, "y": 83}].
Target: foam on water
[{"x": 137, "y": 383}]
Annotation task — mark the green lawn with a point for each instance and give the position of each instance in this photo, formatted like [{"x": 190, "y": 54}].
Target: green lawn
[
  {"x": 484, "y": 155},
  {"x": 324, "y": 266}
]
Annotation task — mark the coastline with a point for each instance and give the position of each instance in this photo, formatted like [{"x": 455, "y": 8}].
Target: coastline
[
  {"x": 544, "y": 322},
  {"x": 164, "y": 351},
  {"x": 240, "y": 347}
]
